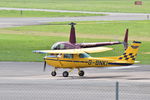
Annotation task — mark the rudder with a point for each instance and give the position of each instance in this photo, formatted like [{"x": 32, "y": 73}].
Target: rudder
[{"x": 131, "y": 52}]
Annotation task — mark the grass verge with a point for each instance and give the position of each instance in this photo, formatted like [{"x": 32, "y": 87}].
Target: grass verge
[
  {"x": 19, "y": 47},
  {"x": 82, "y": 5},
  {"x": 14, "y": 13},
  {"x": 98, "y": 29},
  {"x": 18, "y": 43}
]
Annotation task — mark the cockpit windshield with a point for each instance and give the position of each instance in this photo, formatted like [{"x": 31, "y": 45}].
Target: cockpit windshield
[
  {"x": 58, "y": 46},
  {"x": 84, "y": 55}
]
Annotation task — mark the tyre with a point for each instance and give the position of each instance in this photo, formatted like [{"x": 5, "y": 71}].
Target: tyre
[
  {"x": 81, "y": 73},
  {"x": 53, "y": 73},
  {"x": 65, "y": 74}
]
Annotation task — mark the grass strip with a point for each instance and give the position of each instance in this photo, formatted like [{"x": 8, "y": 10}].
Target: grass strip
[
  {"x": 81, "y": 5},
  {"x": 14, "y": 47},
  {"x": 98, "y": 29},
  {"x": 14, "y": 13}
]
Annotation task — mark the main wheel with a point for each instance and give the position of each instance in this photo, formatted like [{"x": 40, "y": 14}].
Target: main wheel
[
  {"x": 53, "y": 73},
  {"x": 65, "y": 74},
  {"x": 81, "y": 73}
]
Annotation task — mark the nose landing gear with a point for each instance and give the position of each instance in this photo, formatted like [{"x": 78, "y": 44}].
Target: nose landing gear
[{"x": 53, "y": 73}]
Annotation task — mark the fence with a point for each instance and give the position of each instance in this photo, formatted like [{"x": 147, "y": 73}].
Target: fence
[{"x": 74, "y": 90}]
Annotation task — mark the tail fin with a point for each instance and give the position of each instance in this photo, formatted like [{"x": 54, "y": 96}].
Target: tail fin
[
  {"x": 125, "y": 42},
  {"x": 131, "y": 52},
  {"x": 72, "y": 38}
]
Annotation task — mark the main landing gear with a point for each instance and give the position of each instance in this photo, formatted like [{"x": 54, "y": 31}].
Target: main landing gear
[
  {"x": 81, "y": 73},
  {"x": 66, "y": 73}
]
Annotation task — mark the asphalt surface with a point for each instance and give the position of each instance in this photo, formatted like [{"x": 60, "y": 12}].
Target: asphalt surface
[
  {"x": 70, "y": 11},
  {"x": 13, "y": 22},
  {"x": 26, "y": 80}
]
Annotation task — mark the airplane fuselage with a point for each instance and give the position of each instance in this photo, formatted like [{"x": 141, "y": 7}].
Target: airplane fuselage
[{"x": 81, "y": 61}]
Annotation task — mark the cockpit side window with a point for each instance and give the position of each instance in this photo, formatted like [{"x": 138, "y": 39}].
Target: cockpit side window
[
  {"x": 83, "y": 55},
  {"x": 68, "y": 56},
  {"x": 54, "y": 47},
  {"x": 62, "y": 46},
  {"x": 58, "y": 46}
]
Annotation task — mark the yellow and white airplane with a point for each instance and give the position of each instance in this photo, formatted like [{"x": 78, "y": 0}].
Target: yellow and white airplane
[{"x": 79, "y": 58}]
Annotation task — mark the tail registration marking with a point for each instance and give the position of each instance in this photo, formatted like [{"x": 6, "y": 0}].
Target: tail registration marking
[{"x": 98, "y": 62}]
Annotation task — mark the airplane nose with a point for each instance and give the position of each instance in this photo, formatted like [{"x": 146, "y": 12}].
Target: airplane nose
[{"x": 45, "y": 57}]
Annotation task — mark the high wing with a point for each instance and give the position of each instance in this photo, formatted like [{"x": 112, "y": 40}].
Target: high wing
[{"x": 74, "y": 51}]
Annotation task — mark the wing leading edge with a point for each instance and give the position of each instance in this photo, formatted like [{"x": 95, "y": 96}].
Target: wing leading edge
[{"x": 74, "y": 51}]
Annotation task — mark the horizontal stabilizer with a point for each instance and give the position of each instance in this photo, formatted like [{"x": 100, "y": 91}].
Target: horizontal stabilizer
[
  {"x": 121, "y": 67},
  {"x": 137, "y": 62}
]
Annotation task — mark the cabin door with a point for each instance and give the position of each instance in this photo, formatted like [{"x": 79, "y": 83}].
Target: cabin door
[{"x": 66, "y": 60}]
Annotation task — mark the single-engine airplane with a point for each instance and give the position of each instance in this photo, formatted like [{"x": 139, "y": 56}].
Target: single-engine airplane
[
  {"x": 79, "y": 58},
  {"x": 73, "y": 45}
]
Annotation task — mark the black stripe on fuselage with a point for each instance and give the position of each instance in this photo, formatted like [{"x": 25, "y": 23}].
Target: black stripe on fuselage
[
  {"x": 121, "y": 64},
  {"x": 68, "y": 60}
]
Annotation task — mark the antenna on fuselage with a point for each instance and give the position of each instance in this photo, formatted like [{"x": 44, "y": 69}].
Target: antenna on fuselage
[{"x": 72, "y": 38}]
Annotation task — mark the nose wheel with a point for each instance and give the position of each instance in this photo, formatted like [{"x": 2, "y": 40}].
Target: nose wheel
[{"x": 53, "y": 73}]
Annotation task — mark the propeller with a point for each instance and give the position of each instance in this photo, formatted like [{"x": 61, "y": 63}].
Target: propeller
[
  {"x": 72, "y": 24},
  {"x": 125, "y": 42},
  {"x": 44, "y": 66}
]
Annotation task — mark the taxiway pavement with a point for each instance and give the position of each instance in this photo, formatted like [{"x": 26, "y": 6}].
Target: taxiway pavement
[
  {"x": 26, "y": 80},
  {"x": 14, "y": 22}
]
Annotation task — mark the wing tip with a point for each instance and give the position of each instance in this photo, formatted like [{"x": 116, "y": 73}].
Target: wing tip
[{"x": 38, "y": 51}]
